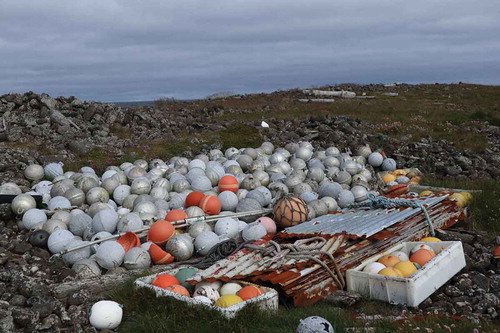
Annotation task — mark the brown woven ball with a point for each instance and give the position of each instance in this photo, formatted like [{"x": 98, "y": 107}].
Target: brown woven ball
[{"x": 290, "y": 211}]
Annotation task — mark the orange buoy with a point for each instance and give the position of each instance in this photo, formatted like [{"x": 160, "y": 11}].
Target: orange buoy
[
  {"x": 228, "y": 183},
  {"x": 160, "y": 256},
  {"x": 178, "y": 289},
  {"x": 176, "y": 215},
  {"x": 165, "y": 280},
  {"x": 249, "y": 292},
  {"x": 211, "y": 205},
  {"x": 290, "y": 211},
  {"x": 194, "y": 198},
  {"x": 160, "y": 232},
  {"x": 129, "y": 240},
  {"x": 496, "y": 252},
  {"x": 422, "y": 256},
  {"x": 389, "y": 260}
]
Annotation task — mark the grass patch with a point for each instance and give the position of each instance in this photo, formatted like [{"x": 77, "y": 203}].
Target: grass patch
[
  {"x": 485, "y": 207},
  {"x": 144, "y": 312}
]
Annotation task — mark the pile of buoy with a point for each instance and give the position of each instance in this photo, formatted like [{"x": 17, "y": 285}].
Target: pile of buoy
[
  {"x": 84, "y": 206},
  {"x": 402, "y": 264},
  {"x": 215, "y": 293},
  {"x": 401, "y": 176}
]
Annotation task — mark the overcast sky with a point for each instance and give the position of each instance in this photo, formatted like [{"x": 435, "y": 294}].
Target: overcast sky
[{"x": 124, "y": 50}]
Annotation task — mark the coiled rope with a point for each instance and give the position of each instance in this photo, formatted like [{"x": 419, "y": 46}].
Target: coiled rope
[
  {"x": 375, "y": 202},
  {"x": 301, "y": 249}
]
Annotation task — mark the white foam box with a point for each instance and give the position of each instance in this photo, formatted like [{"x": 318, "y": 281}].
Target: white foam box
[
  {"x": 268, "y": 301},
  {"x": 414, "y": 290}
]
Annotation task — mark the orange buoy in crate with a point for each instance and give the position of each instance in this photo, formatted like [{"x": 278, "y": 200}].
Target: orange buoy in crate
[{"x": 165, "y": 280}]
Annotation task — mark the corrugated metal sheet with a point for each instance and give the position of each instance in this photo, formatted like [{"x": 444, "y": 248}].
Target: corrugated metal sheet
[
  {"x": 306, "y": 282},
  {"x": 360, "y": 222}
]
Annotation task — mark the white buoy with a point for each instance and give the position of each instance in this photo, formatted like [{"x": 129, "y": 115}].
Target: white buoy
[
  {"x": 86, "y": 269},
  {"x": 79, "y": 223},
  {"x": 74, "y": 256},
  {"x": 253, "y": 231},
  {"x": 230, "y": 288},
  {"x": 227, "y": 226},
  {"x": 129, "y": 222},
  {"x": 105, "y": 220},
  {"x": 59, "y": 203},
  {"x": 228, "y": 200},
  {"x": 22, "y": 203},
  {"x": 375, "y": 159},
  {"x": 34, "y": 172},
  {"x": 33, "y": 217},
  {"x": 205, "y": 241},
  {"x": 58, "y": 240},
  {"x": 106, "y": 315}
]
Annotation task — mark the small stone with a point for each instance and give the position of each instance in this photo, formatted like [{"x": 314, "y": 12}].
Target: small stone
[
  {"x": 21, "y": 247},
  {"x": 343, "y": 298},
  {"x": 452, "y": 291},
  {"x": 18, "y": 300},
  {"x": 481, "y": 281},
  {"x": 6, "y": 321},
  {"x": 25, "y": 317}
]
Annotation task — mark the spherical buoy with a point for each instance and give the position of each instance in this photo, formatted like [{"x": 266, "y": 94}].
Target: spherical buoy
[
  {"x": 97, "y": 194},
  {"x": 227, "y": 226},
  {"x": 229, "y": 200},
  {"x": 13, "y": 189},
  {"x": 346, "y": 198},
  {"x": 86, "y": 269},
  {"x": 197, "y": 228},
  {"x": 194, "y": 211},
  {"x": 228, "y": 300},
  {"x": 359, "y": 193},
  {"x": 120, "y": 193},
  {"x": 110, "y": 254},
  {"x": 228, "y": 183},
  {"x": 180, "y": 246},
  {"x": 258, "y": 196},
  {"x": 185, "y": 274},
  {"x": 58, "y": 240},
  {"x": 22, "y": 203},
  {"x": 290, "y": 211},
  {"x": 267, "y": 223},
  {"x": 401, "y": 255},
  {"x": 207, "y": 291},
  {"x": 430, "y": 239},
  {"x": 201, "y": 183},
  {"x": 253, "y": 231},
  {"x": 106, "y": 315},
  {"x": 314, "y": 324},
  {"x": 74, "y": 256},
  {"x": 248, "y": 292},
  {"x": 129, "y": 222},
  {"x": 160, "y": 232},
  {"x": 374, "y": 267},
  {"x": 388, "y": 164},
  {"x": 407, "y": 268},
  {"x": 176, "y": 215},
  {"x": 375, "y": 159},
  {"x": 230, "y": 288},
  {"x": 105, "y": 220},
  {"x": 53, "y": 170},
  {"x": 52, "y": 225},
  {"x": 39, "y": 238},
  {"x": 194, "y": 198},
  {"x": 33, "y": 217},
  {"x": 178, "y": 289},
  {"x": 129, "y": 240},
  {"x": 389, "y": 260},
  {"x": 159, "y": 256},
  {"x": 137, "y": 258},
  {"x": 329, "y": 189},
  {"x": 34, "y": 172},
  {"x": 164, "y": 280},
  {"x": 211, "y": 205},
  {"x": 75, "y": 196},
  {"x": 419, "y": 247},
  {"x": 203, "y": 300},
  {"x": 205, "y": 241},
  {"x": 422, "y": 257},
  {"x": 391, "y": 271}
]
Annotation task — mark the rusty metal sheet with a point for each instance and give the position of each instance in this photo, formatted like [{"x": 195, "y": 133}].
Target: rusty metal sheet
[
  {"x": 360, "y": 222},
  {"x": 305, "y": 281}
]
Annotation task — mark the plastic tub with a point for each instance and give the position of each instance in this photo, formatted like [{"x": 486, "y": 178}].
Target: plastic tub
[
  {"x": 267, "y": 301},
  {"x": 413, "y": 290}
]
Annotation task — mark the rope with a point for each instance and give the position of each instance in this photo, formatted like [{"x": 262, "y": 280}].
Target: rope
[
  {"x": 375, "y": 201},
  {"x": 301, "y": 249},
  {"x": 218, "y": 252}
]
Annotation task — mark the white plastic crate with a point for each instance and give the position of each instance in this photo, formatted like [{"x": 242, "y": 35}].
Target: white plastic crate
[
  {"x": 413, "y": 290},
  {"x": 268, "y": 301}
]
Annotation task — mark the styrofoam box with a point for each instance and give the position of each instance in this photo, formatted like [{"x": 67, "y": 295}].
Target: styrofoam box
[
  {"x": 413, "y": 290},
  {"x": 268, "y": 301}
]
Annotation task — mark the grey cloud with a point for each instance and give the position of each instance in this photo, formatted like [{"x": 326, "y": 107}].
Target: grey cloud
[{"x": 134, "y": 50}]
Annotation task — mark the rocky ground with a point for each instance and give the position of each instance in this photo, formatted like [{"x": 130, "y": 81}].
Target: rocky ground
[{"x": 42, "y": 129}]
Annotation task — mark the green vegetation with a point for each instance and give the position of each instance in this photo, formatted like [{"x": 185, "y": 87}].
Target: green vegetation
[
  {"x": 144, "y": 312},
  {"x": 485, "y": 207}
]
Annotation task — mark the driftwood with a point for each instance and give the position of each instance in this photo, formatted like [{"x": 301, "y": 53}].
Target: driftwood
[{"x": 316, "y": 100}]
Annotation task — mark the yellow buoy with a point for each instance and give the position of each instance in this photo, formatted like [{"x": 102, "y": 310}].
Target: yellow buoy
[
  {"x": 467, "y": 196},
  {"x": 399, "y": 172},
  {"x": 390, "y": 271},
  {"x": 228, "y": 300},
  {"x": 425, "y": 193},
  {"x": 430, "y": 239},
  {"x": 407, "y": 268},
  {"x": 461, "y": 201},
  {"x": 389, "y": 178}
]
